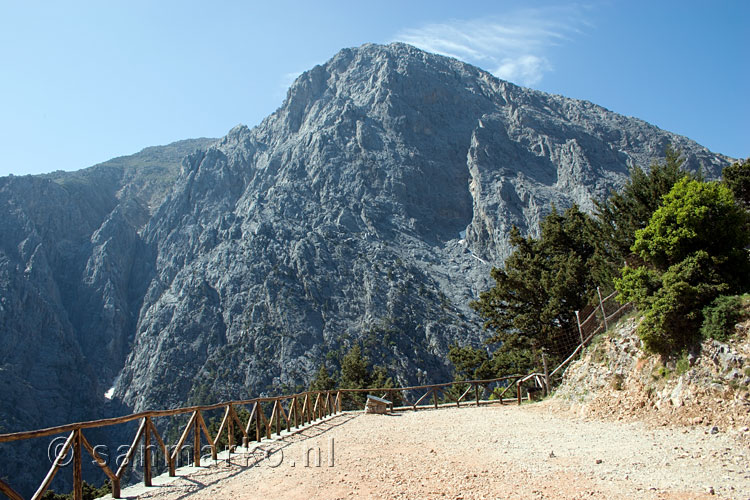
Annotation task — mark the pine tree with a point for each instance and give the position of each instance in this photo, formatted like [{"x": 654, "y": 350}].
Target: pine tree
[
  {"x": 323, "y": 380},
  {"x": 535, "y": 295},
  {"x": 622, "y": 214},
  {"x": 355, "y": 372},
  {"x": 381, "y": 380}
]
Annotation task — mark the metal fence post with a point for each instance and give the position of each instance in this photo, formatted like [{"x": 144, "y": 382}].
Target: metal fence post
[
  {"x": 578, "y": 322},
  {"x": 601, "y": 304}
]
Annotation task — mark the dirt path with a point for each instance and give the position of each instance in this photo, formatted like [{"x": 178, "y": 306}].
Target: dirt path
[{"x": 488, "y": 452}]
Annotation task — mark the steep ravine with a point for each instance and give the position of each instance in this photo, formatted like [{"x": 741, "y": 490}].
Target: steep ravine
[{"x": 73, "y": 270}]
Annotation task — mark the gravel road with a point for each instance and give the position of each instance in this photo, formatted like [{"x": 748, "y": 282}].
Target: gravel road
[{"x": 528, "y": 452}]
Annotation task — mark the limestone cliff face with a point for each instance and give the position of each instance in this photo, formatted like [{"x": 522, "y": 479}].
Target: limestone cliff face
[
  {"x": 370, "y": 206},
  {"x": 73, "y": 270}
]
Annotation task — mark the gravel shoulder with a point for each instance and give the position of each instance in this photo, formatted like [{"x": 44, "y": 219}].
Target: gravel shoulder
[{"x": 533, "y": 452}]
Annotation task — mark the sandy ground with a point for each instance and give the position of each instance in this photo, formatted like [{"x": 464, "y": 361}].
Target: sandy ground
[{"x": 528, "y": 452}]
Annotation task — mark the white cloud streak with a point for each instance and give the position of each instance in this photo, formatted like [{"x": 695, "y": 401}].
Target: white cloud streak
[{"x": 512, "y": 48}]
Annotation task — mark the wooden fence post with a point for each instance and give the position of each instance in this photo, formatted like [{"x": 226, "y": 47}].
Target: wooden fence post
[
  {"x": 434, "y": 397},
  {"x": 296, "y": 411},
  {"x": 160, "y": 442},
  {"x": 196, "y": 441},
  {"x": 518, "y": 389},
  {"x": 546, "y": 373},
  {"x": 288, "y": 417},
  {"x": 147, "y": 453},
  {"x": 77, "y": 462},
  {"x": 578, "y": 322},
  {"x": 306, "y": 410},
  {"x": 476, "y": 392},
  {"x": 230, "y": 430},
  {"x": 277, "y": 409}
]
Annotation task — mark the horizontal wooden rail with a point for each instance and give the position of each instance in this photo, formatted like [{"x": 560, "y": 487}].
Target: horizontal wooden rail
[{"x": 287, "y": 411}]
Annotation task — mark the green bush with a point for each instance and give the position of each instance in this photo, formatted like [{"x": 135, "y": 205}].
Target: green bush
[
  {"x": 672, "y": 312},
  {"x": 682, "y": 365},
  {"x": 90, "y": 492},
  {"x": 692, "y": 251},
  {"x": 720, "y": 317}
]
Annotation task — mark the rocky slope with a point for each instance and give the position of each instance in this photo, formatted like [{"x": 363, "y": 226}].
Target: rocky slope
[
  {"x": 369, "y": 207},
  {"x": 615, "y": 379},
  {"x": 72, "y": 276}
]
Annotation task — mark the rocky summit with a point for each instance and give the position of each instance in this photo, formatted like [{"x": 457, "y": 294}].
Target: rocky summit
[{"x": 369, "y": 207}]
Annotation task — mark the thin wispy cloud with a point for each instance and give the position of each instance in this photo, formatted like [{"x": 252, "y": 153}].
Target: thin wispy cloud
[
  {"x": 512, "y": 48},
  {"x": 284, "y": 82},
  {"x": 287, "y": 79}
]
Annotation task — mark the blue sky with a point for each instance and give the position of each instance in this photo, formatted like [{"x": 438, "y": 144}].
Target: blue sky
[{"x": 85, "y": 82}]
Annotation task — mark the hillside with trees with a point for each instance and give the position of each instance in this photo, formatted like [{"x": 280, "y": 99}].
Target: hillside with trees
[{"x": 670, "y": 243}]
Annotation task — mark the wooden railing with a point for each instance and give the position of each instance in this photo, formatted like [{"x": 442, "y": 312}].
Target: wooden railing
[{"x": 292, "y": 411}]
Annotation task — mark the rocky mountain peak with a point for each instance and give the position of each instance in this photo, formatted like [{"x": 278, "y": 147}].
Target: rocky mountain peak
[
  {"x": 371, "y": 204},
  {"x": 370, "y": 208}
]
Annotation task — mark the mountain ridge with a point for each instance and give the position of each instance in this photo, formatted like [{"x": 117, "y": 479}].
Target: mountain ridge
[
  {"x": 369, "y": 207},
  {"x": 354, "y": 135}
]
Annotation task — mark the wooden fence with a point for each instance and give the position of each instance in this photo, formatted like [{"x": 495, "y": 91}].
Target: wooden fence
[
  {"x": 295, "y": 410},
  {"x": 292, "y": 411}
]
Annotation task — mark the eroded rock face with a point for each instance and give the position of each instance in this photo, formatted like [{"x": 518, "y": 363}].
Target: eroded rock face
[
  {"x": 370, "y": 206},
  {"x": 73, "y": 270},
  {"x": 616, "y": 379}
]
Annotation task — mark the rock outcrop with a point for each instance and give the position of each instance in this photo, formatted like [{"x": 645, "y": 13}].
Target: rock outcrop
[
  {"x": 369, "y": 207},
  {"x": 616, "y": 379}
]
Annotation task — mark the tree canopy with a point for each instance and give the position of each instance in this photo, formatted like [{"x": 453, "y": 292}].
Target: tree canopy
[
  {"x": 692, "y": 251},
  {"x": 355, "y": 372},
  {"x": 737, "y": 178},
  {"x": 541, "y": 285},
  {"x": 470, "y": 363},
  {"x": 618, "y": 217}
]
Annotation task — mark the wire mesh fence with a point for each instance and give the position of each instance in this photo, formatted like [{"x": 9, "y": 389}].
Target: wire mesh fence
[
  {"x": 598, "y": 317},
  {"x": 590, "y": 321}
]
